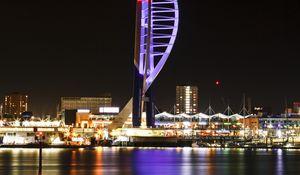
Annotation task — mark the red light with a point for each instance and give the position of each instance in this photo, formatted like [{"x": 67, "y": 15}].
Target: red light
[{"x": 217, "y": 82}]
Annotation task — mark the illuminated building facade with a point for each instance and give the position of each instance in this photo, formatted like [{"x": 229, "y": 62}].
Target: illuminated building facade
[
  {"x": 186, "y": 99},
  {"x": 91, "y": 103},
  {"x": 156, "y": 30},
  {"x": 83, "y": 119},
  {"x": 261, "y": 111},
  {"x": 15, "y": 104},
  {"x": 296, "y": 108}
]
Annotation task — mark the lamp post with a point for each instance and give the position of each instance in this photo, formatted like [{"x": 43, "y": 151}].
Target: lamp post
[{"x": 39, "y": 137}]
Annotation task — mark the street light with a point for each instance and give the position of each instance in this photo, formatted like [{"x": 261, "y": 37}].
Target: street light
[{"x": 39, "y": 136}]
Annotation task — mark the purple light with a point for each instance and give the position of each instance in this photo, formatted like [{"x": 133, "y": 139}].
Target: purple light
[{"x": 164, "y": 27}]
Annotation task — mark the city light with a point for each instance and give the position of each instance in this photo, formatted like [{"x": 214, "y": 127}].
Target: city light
[
  {"x": 113, "y": 110},
  {"x": 83, "y": 111}
]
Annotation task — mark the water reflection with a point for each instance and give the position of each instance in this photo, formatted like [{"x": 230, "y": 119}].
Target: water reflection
[
  {"x": 279, "y": 162},
  {"x": 149, "y": 161}
]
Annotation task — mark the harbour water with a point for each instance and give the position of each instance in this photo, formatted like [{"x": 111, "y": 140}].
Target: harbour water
[{"x": 150, "y": 161}]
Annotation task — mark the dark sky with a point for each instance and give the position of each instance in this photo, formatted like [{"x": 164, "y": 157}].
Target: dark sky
[{"x": 51, "y": 49}]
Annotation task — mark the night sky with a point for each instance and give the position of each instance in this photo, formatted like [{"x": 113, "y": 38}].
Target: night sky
[{"x": 51, "y": 49}]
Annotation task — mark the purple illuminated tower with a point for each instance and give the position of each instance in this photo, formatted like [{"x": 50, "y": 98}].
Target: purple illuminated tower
[{"x": 156, "y": 30}]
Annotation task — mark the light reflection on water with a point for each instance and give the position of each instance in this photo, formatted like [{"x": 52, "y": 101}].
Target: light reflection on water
[{"x": 150, "y": 161}]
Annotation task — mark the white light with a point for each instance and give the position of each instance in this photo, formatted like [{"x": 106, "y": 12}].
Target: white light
[
  {"x": 105, "y": 134},
  {"x": 270, "y": 126},
  {"x": 83, "y": 111},
  {"x": 111, "y": 110},
  {"x": 288, "y": 145},
  {"x": 57, "y": 141},
  {"x": 186, "y": 123},
  {"x": 279, "y": 133}
]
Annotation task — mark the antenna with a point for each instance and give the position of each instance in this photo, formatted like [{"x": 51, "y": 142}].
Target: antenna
[
  {"x": 209, "y": 110},
  {"x": 228, "y": 110},
  {"x": 244, "y": 110},
  {"x": 173, "y": 108},
  {"x": 286, "y": 109},
  {"x": 244, "y": 113},
  {"x": 157, "y": 109},
  {"x": 249, "y": 101}
]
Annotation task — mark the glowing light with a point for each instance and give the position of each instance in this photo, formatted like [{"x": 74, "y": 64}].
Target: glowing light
[
  {"x": 160, "y": 31},
  {"x": 279, "y": 133},
  {"x": 57, "y": 141},
  {"x": 270, "y": 126},
  {"x": 105, "y": 134},
  {"x": 202, "y": 123},
  {"x": 112, "y": 110},
  {"x": 83, "y": 111},
  {"x": 288, "y": 145},
  {"x": 208, "y": 131}
]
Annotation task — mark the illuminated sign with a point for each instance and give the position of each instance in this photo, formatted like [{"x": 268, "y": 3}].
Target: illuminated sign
[
  {"x": 83, "y": 111},
  {"x": 109, "y": 110}
]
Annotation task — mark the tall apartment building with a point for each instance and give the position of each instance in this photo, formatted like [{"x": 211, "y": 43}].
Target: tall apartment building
[
  {"x": 15, "y": 104},
  {"x": 186, "y": 99}
]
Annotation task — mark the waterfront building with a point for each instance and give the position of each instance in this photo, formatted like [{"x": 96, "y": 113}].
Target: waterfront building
[
  {"x": 296, "y": 108},
  {"x": 261, "y": 111},
  {"x": 279, "y": 122},
  {"x": 15, "y": 104},
  {"x": 186, "y": 99},
  {"x": 251, "y": 124},
  {"x": 70, "y": 105},
  {"x": 69, "y": 117},
  {"x": 90, "y": 103},
  {"x": 258, "y": 110},
  {"x": 76, "y": 118},
  {"x": 84, "y": 118},
  {"x": 105, "y": 117},
  {"x": 20, "y": 132}
]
